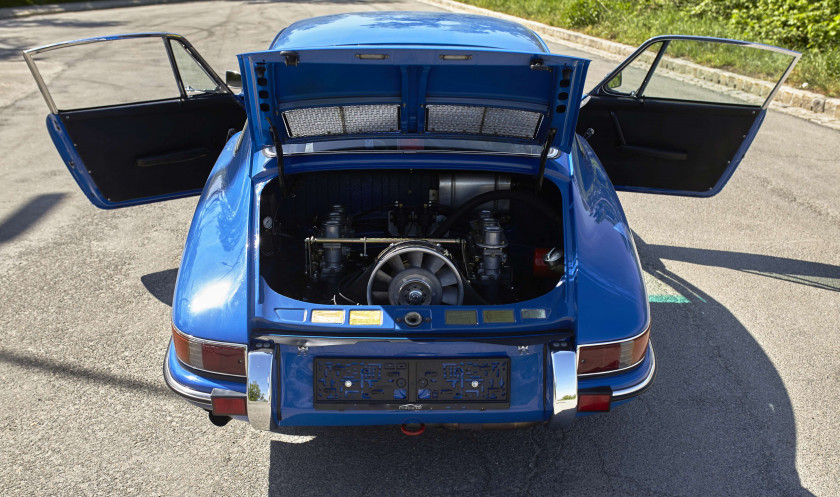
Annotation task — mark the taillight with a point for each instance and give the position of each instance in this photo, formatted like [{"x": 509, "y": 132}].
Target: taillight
[
  {"x": 612, "y": 356},
  {"x": 214, "y": 357}
]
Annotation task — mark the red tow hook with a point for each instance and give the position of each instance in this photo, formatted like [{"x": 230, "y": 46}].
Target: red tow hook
[{"x": 421, "y": 427}]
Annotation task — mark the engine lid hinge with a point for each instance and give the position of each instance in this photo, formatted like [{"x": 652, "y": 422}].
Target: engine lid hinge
[
  {"x": 543, "y": 157},
  {"x": 278, "y": 150},
  {"x": 291, "y": 58}
]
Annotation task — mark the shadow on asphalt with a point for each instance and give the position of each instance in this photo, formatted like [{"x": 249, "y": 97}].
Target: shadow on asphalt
[
  {"x": 718, "y": 421},
  {"x": 161, "y": 284},
  {"x": 79, "y": 373},
  {"x": 814, "y": 274},
  {"x": 21, "y": 220}
]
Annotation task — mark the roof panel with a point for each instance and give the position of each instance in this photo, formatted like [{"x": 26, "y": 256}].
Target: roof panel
[{"x": 408, "y": 28}]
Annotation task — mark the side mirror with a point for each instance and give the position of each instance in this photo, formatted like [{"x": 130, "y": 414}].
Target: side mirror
[
  {"x": 233, "y": 79},
  {"x": 615, "y": 82}
]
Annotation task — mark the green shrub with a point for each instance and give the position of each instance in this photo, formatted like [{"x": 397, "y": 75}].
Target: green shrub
[
  {"x": 582, "y": 13},
  {"x": 809, "y": 26}
]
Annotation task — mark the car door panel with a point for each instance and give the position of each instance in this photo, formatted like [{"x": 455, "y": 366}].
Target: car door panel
[
  {"x": 150, "y": 150},
  {"x": 139, "y": 152},
  {"x": 672, "y": 133},
  {"x": 665, "y": 145}
]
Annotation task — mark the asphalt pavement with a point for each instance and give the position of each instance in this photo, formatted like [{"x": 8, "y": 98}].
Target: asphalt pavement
[{"x": 745, "y": 291}]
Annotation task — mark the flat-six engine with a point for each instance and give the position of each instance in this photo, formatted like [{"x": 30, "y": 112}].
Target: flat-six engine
[{"x": 475, "y": 238}]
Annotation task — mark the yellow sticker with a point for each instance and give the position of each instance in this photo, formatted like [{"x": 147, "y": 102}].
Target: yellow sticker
[
  {"x": 461, "y": 317},
  {"x": 499, "y": 316},
  {"x": 332, "y": 317},
  {"x": 366, "y": 317}
]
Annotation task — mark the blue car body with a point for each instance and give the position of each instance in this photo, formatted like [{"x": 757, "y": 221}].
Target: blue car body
[{"x": 222, "y": 296}]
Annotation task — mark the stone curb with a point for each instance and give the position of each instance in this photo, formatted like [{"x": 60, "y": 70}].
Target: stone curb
[
  {"x": 36, "y": 10},
  {"x": 800, "y": 103}
]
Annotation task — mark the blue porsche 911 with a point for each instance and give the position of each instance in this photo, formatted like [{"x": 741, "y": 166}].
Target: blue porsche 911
[{"x": 405, "y": 218}]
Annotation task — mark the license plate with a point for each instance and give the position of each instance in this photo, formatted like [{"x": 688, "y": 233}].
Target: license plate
[{"x": 403, "y": 383}]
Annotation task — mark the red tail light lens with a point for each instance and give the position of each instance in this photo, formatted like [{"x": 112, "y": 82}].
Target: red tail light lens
[
  {"x": 214, "y": 357},
  {"x": 613, "y": 356}
]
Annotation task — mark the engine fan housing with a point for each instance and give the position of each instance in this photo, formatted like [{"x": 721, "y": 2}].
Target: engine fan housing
[{"x": 415, "y": 273}]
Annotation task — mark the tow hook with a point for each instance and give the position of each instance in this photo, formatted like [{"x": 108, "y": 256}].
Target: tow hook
[{"x": 413, "y": 429}]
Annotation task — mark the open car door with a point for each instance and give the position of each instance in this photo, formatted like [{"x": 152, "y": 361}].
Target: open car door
[
  {"x": 136, "y": 118},
  {"x": 665, "y": 122}
]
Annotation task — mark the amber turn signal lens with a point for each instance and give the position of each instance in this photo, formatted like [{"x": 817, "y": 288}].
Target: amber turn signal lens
[
  {"x": 214, "y": 357},
  {"x": 613, "y": 356}
]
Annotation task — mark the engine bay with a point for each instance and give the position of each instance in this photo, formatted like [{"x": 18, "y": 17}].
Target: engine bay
[{"x": 411, "y": 237}]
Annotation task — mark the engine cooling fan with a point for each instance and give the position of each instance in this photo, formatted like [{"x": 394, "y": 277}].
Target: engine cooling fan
[{"x": 414, "y": 273}]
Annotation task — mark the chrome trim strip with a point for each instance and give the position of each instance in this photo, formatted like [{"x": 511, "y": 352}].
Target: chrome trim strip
[
  {"x": 781, "y": 81},
  {"x": 96, "y": 39},
  {"x": 598, "y": 344},
  {"x": 564, "y": 398},
  {"x": 193, "y": 338},
  {"x": 553, "y": 153},
  {"x": 629, "y": 392},
  {"x": 261, "y": 370},
  {"x": 202, "y": 399},
  {"x": 42, "y": 86}
]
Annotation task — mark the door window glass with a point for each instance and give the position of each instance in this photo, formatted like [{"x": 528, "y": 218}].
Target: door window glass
[
  {"x": 195, "y": 79},
  {"x": 630, "y": 79},
  {"x": 714, "y": 72},
  {"x": 109, "y": 73},
  {"x": 707, "y": 71}
]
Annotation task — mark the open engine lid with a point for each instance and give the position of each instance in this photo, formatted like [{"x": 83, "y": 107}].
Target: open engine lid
[{"x": 312, "y": 96}]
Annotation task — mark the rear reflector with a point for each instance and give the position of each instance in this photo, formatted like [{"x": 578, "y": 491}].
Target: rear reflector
[
  {"x": 206, "y": 355},
  {"x": 612, "y": 356},
  {"x": 229, "y": 406},
  {"x": 594, "y": 402}
]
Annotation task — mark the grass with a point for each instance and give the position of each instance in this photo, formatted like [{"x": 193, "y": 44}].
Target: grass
[{"x": 634, "y": 22}]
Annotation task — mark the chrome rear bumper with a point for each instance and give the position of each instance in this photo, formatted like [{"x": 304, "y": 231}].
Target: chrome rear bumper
[{"x": 562, "y": 365}]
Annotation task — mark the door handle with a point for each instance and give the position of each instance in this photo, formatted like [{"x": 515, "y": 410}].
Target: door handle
[
  {"x": 172, "y": 158},
  {"x": 657, "y": 153}
]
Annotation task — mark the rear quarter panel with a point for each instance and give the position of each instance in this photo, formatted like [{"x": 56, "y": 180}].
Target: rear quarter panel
[
  {"x": 606, "y": 276},
  {"x": 211, "y": 292}
]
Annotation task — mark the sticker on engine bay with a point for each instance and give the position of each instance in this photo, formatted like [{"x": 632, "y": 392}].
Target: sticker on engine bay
[{"x": 499, "y": 316}]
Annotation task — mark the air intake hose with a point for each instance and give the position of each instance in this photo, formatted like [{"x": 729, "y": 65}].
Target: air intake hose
[{"x": 527, "y": 197}]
